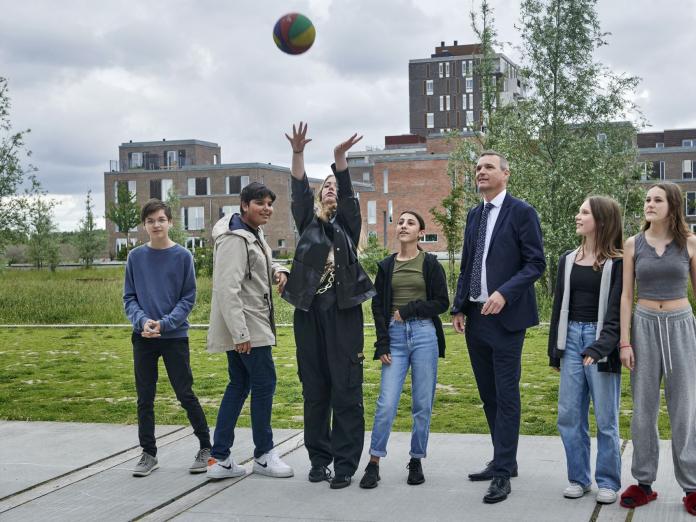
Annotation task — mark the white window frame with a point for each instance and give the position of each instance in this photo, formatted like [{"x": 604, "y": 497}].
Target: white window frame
[
  {"x": 447, "y": 102},
  {"x": 198, "y": 224},
  {"x": 447, "y": 69},
  {"x": 687, "y": 169},
  {"x": 693, "y": 228},
  {"x": 122, "y": 241},
  {"x": 440, "y": 69},
  {"x": 470, "y": 101},
  {"x": 194, "y": 241},
  {"x": 191, "y": 186},
  {"x": 429, "y": 87},
  {"x": 366, "y": 176},
  {"x": 442, "y": 102},
  {"x": 430, "y": 120},
  {"x": 659, "y": 145},
  {"x": 281, "y": 243},
  {"x": 243, "y": 182},
  {"x": 688, "y": 143},
  {"x": 468, "y": 85},
  {"x": 136, "y": 163},
  {"x": 372, "y": 212},
  {"x": 390, "y": 211},
  {"x": 649, "y": 165},
  {"x": 469, "y": 118},
  {"x": 228, "y": 210},
  {"x": 385, "y": 181},
  {"x": 167, "y": 185},
  {"x": 686, "y": 202},
  {"x": 172, "y": 158},
  {"x": 431, "y": 240}
]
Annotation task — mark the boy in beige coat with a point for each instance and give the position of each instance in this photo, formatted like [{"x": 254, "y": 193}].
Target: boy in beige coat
[{"x": 242, "y": 326}]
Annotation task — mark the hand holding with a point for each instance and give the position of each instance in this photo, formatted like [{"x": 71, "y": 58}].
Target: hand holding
[
  {"x": 299, "y": 139},
  {"x": 494, "y": 304}
]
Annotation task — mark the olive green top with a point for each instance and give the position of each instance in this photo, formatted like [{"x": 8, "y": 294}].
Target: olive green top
[{"x": 407, "y": 281}]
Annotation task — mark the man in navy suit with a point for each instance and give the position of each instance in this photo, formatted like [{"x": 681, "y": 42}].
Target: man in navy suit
[{"x": 502, "y": 257}]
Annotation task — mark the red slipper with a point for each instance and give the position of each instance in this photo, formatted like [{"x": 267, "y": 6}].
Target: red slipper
[
  {"x": 690, "y": 503},
  {"x": 638, "y": 497}
]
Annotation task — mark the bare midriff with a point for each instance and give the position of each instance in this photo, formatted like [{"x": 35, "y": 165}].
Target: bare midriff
[{"x": 667, "y": 305}]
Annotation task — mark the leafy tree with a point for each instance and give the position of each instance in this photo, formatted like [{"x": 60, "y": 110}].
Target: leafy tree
[
  {"x": 176, "y": 232},
  {"x": 372, "y": 254},
  {"x": 14, "y": 203},
  {"x": 88, "y": 240},
  {"x": 125, "y": 212},
  {"x": 43, "y": 238}
]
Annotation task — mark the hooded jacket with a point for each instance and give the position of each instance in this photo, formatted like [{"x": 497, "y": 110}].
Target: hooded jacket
[{"x": 241, "y": 308}]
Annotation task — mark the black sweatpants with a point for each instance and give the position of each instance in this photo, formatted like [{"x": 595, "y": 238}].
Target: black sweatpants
[
  {"x": 175, "y": 353},
  {"x": 329, "y": 358}
]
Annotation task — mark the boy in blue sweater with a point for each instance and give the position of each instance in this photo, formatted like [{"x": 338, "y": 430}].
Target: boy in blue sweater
[{"x": 159, "y": 293}]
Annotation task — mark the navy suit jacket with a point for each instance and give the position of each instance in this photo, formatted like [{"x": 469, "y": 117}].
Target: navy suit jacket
[{"x": 515, "y": 261}]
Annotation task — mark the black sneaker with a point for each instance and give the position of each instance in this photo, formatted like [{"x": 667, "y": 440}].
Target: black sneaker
[
  {"x": 319, "y": 473},
  {"x": 371, "y": 476},
  {"x": 340, "y": 482},
  {"x": 415, "y": 472}
]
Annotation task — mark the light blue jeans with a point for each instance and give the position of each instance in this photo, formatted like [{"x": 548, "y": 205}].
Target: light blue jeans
[
  {"x": 412, "y": 343},
  {"x": 578, "y": 384}
]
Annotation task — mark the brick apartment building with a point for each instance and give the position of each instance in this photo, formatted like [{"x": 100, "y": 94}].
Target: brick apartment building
[
  {"x": 671, "y": 155},
  {"x": 445, "y": 94},
  {"x": 207, "y": 188}
]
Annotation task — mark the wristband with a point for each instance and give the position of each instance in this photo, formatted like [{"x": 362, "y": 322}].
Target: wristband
[
  {"x": 297, "y": 151},
  {"x": 622, "y": 346}
]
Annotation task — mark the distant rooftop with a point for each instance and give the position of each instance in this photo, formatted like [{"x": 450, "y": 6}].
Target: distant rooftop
[{"x": 165, "y": 142}]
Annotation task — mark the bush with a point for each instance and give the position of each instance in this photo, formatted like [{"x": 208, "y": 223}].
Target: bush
[
  {"x": 16, "y": 254},
  {"x": 372, "y": 255},
  {"x": 203, "y": 261}
]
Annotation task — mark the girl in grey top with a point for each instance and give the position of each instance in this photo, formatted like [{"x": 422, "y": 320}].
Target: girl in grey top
[{"x": 659, "y": 262}]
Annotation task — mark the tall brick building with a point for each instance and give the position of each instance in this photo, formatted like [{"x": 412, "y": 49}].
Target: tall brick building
[
  {"x": 445, "y": 93},
  {"x": 671, "y": 155},
  {"x": 207, "y": 188}
]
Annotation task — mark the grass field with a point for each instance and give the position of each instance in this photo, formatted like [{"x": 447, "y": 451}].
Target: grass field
[{"x": 85, "y": 375}]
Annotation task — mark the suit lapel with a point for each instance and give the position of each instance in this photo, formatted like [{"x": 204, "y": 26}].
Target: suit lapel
[{"x": 502, "y": 216}]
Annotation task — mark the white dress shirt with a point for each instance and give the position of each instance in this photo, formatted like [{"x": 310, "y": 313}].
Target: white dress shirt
[{"x": 490, "y": 225}]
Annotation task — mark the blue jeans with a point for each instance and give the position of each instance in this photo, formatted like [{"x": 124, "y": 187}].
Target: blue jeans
[
  {"x": 253, "y": 372},
  {"x": 578, "y": 384},
  {"x": 412, "y": 343}
]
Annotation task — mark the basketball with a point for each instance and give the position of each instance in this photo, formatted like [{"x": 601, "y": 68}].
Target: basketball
[{"x": 293, "y": 33}]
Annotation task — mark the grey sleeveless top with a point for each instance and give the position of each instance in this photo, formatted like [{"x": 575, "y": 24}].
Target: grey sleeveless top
[{"x": 660, "y": 277}]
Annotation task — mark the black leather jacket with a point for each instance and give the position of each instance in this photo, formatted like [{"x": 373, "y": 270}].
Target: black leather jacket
[{"x": 352, "y": 284}]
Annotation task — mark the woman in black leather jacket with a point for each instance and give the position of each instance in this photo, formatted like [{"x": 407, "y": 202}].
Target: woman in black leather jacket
[{"x": 327, "y": 286}]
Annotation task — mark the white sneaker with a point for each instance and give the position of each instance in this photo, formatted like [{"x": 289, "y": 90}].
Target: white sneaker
[
  {"x": 606, "y": 496},
  {"x": 270, "y": 464},
  {"x": 227, "y": 468},
  {"x": 575, "y": 490}
]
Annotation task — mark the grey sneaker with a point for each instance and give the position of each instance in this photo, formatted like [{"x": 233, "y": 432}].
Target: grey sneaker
[
  {"x": 200, "y": 462},
  {"x": 145, "y": 466}
]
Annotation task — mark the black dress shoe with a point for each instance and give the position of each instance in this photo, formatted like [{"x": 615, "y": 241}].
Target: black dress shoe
[
  {"x": 340, "y": 482},
  {"x": 488, "y": 473},
  {"x": 497, "y": 491}
]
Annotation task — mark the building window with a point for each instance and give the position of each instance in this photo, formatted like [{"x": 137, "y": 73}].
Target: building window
[
  {"x": 447, "y": 102},
  {"x": 688, "y": 143},
  {"x": 235, "y": 184},
  {"x": 192, "y": 218},
  {"x": 447, "y": 69},
  {"x": 442, "y": 103},
  {"x": 198, "y": 186},
  {"x": 687, "y": 169},
  {"x": 385, "y": 179},
  {"x": 228, "y": 210},
  {"x": 469, "y": 85},
  {"x": 136, "y": 160},
  {"x": 390, "y": 211},
  {"x": 469, "y": 118},
  {"x": 215, "y": 159},
  {"x": 121, "y": 242},
  {"x": 171, "y": 156},
  {"x": 659, "y": 145},
  {"x": 428, "y": 87},
  {"x": 601, "y": 138},
  {"x": 281, "y": 243},
  {"x": 371, "y": 212},
  {"x": 654, "y": 170},
  {"x": 366, "y": 177},
  {"x": 691, "y": 203},
  {"x": 470, "y": 101},
  {"x": 430, "y": 120},
  {"x": 439, "y": 68},
  {"x": 693, "y": 228},
  {"x": 194, "y": 242},
  {"x": 130, "y": 184},
  {"x": 429, "y": 238}
]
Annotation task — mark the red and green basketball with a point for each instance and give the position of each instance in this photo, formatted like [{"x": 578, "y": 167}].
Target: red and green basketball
[{"x": 293, "y": 33}]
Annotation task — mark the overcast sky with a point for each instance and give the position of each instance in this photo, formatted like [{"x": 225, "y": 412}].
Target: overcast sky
[{"x": 86, "y": 76}]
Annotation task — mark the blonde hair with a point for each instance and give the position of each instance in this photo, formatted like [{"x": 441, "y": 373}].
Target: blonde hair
[{"x": 325, "y": 212}]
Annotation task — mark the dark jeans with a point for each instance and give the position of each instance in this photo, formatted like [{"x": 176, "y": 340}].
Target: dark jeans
[
  {"x": 496, "y": 357},
  {"x": 253, "y": 372},
  {"x": 175, "y": 353},
  {"x": 329, "y": 359}
]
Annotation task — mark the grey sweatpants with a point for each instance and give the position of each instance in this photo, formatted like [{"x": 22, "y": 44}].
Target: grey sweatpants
[{"x": 664, "y": 345}]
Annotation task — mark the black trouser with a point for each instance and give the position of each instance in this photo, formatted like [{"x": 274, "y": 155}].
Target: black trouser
[
  {"x": 496, "y": 357},
  {"x": 329, "y": 358},
  {"x": 175, "y": 353}
]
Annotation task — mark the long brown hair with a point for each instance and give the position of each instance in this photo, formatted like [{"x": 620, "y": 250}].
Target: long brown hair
[
  {"x": 608, "y": 240},
  {"x": 675, "y": 216},
  {"x": 323, "y": 211}
]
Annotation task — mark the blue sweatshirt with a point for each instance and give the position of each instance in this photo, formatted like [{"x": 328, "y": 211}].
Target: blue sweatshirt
[{"x": 160, "y": 285}]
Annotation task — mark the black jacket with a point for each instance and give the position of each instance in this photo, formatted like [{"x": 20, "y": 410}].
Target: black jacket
[
  {"x": 436, "y": 303},
  {"x": 353, "y": 286},
  {"x": 607, "y": 345}
]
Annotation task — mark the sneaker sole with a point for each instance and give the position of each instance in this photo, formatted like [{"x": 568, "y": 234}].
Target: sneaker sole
[
  {"x": 370, "y": 486},
  {"x": 145, "y": 473},
  {"x": 227, "y": 474},
  {"x": 415, "y": 482},
  {"x": 198, "y": 470},
  {"x": 340, "y": 485},
  {"x": 575, "y": 495},
  {"x": 270, "y": 473}
]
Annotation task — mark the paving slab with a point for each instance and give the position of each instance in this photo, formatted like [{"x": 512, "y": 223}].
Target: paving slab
[
  {"x": 114, "y": 494},
  {"x": 34, "y": 452}
]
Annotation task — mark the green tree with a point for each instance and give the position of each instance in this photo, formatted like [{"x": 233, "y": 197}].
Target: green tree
[
  {"x": 176, "y": 232},
  {"x": 372, "y": 254},
  {"x": 43, "y": 237},
  {"x": 15, "y": 202},
  {"x": 88, "y": 240},
  {"x": 125, "y": 212}
]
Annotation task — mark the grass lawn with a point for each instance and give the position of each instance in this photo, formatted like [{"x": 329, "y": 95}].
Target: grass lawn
[{"x": 86, "y": 375}]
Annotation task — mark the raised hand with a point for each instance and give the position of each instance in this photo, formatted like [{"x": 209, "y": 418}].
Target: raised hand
[
  {"x": 299, "y": 138},
  {"x": 345, "y": 146}
]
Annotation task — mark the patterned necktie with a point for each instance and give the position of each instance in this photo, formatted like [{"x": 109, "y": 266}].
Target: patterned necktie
[{"x": 475, "y": 287}]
